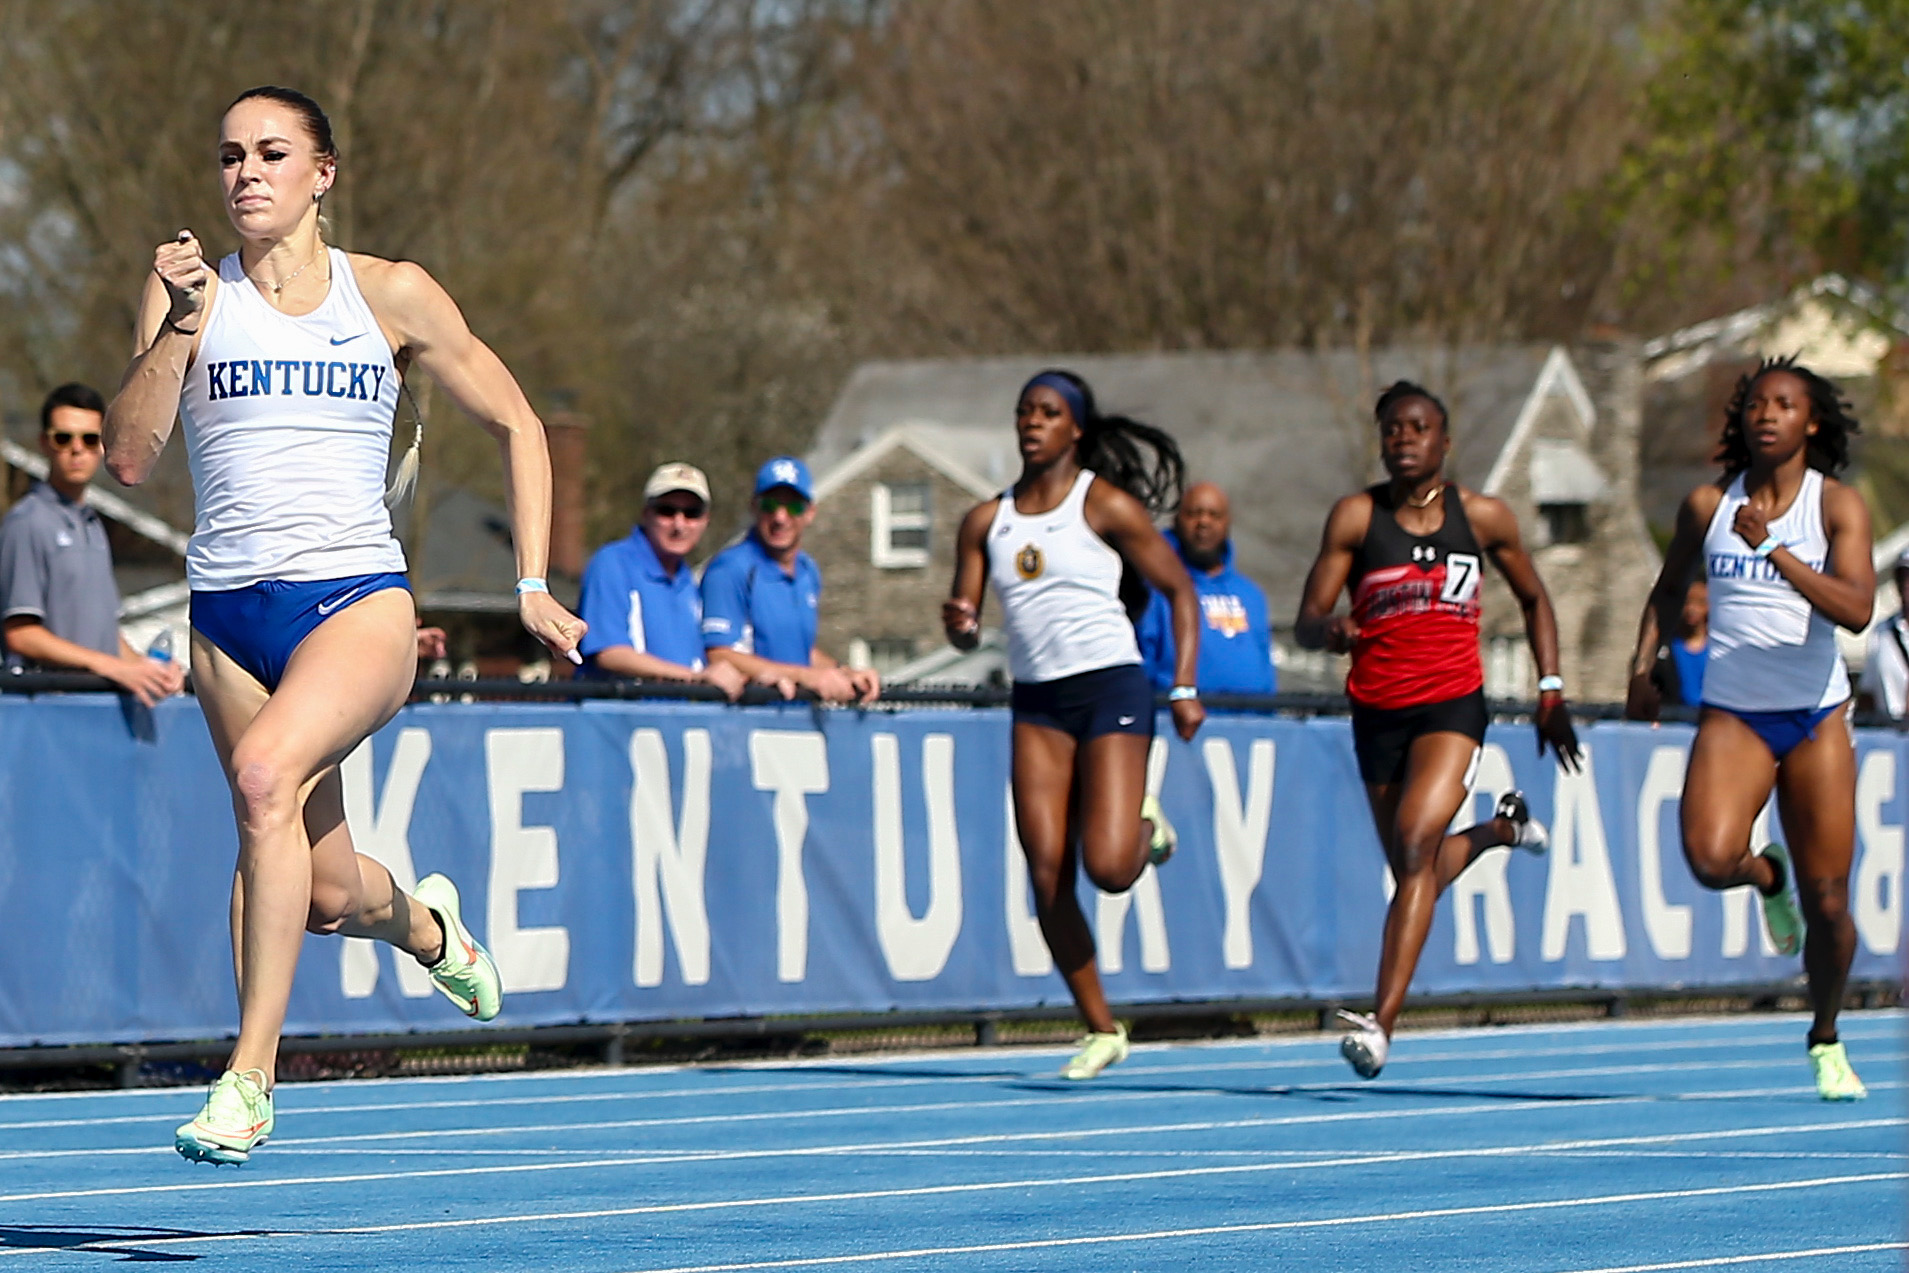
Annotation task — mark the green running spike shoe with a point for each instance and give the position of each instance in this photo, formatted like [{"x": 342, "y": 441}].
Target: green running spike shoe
[
  {"x": 1779, "y": 912},
  {"x": 1835, "y": 1081},
  {"x": 237, "y": 1118},
  {"x": 1097, "y": 1052},
  {"x": 1165, "y": 839},
  {"x": 464, "y": 973}
]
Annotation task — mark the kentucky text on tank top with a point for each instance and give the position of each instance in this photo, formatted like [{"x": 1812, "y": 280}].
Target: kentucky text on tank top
[
  {"x": 1415, "y": 599},
  {"x": 288, "y": 429},
  {"x": 1770, "y": 651},
  {"x": 1059, "y": 585}
]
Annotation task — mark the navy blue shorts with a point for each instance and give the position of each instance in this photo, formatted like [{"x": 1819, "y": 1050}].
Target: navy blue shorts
[
  {"x": 259, "y": 627},
  {"x": 1108, "y": 700},
  {"x": 1782, "y": 731}
]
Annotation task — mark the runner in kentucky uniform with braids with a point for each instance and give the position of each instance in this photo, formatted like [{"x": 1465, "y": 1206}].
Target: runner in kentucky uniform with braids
[
  {"x": 1412, "y": 551},
  {"x": 1056, "y": 546},
  {"x": 1786, "y": 548},
  {"x": 284, "y": 364}
]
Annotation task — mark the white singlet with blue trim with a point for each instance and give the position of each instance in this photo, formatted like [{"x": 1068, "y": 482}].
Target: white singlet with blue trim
[
  {"x": 1059, "y": 585},
  {"x": 288, "y": 430},
  {"x": 1770, "y": 650}
]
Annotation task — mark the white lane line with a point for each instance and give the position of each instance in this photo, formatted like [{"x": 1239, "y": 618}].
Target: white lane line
[
  {"x": 926, "y": 1191},
  {"x": 855, "y": 1149},
  {"x": 1761, "y": 1257},
  {"x": 890, "y": 1081},
  {"x": 1105, "y": 1096},
  {"x": 1887, "y": 1023},
  {"x": 1271, "y": 1226}
]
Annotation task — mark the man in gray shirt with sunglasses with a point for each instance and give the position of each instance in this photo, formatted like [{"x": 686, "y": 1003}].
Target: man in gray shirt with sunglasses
[{"x": 59, "y": 606}]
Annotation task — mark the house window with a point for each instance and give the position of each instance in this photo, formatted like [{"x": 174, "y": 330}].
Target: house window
[
  {"x": 898, "y": 518},
  {"x": 885, "y": 654},
  {"x": 1566, "y": 523}
]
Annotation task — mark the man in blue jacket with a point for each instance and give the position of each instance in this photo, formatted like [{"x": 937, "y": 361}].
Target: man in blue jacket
[{"x": 1236, "y": 647}]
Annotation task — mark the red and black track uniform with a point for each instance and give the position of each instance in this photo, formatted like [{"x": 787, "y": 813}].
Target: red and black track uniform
[{"x": 1415, "y": 665}]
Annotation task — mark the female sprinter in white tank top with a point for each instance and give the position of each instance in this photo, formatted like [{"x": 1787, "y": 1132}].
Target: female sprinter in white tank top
[
  {"x": 1056, "y": 546},
  {"x": 284, "y": 364},
  {"x": 1786, "y": 549}
]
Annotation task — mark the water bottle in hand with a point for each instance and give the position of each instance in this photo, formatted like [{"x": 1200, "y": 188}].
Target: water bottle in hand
[{"x": 161, "y": 647}]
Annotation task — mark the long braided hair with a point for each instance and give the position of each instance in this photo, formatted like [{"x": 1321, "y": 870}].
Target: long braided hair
[{"x": 1826, "y": 451}]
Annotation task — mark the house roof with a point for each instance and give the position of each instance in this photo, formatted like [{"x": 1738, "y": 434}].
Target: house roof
[
  {"x": 1785, "y": 325},
  {"x": 1285, "y": 432}
]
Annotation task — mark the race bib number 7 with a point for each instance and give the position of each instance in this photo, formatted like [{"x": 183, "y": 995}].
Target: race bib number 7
[{"x": 1461, "y": 579}]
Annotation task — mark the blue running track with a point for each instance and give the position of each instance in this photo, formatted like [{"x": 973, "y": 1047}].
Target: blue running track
[{"x": 1690, "y": 1144}]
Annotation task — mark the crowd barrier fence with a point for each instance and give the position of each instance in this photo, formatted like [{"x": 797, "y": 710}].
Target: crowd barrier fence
[{"x": 659, "y": 860}]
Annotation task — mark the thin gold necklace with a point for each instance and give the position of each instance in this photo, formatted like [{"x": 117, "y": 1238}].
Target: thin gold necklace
[
  {"x": 1430, "y": 495},
  {"x": 287, "y": 281}
]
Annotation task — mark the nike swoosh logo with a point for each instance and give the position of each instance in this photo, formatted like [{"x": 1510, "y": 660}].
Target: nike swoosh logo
[
  {"x": 345, "y": 340},
  {"x": 347, "y": 599},
  {"x": 1126, "y": 720}
]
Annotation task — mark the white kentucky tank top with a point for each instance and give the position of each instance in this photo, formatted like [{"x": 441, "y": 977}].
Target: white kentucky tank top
[
  {"x": 1770, "y": 651},
  {"x": 1059, "y": 585},
  {"x": 288, "y": 430}
]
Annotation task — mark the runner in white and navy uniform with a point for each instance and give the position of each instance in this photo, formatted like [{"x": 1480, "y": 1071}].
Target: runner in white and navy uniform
[
  {"x": 285, "y": 366},
  {"x": 1786, "y": 549},
  {"x": 1056, "y": 547}
]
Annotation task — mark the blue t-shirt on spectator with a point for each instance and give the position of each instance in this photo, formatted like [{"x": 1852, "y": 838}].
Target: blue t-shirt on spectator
[
  {"x": 629, "y": 599},
  {"x": 751, "y": 605},
  {"x": 1236, "y": 640},
  {"x": 1690, "y": 671}
]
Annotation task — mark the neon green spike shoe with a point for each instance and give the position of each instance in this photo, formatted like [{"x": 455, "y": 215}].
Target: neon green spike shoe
[
  {"x": 237, "y": 1118},
  {"x": 1835, "y": 1081},
  {"x": 464, "y": 973},
  {"x": 1097, "y": 1052},
  {"x": 1780, "y": 912},
  {"x": 1165, "y": 838}
]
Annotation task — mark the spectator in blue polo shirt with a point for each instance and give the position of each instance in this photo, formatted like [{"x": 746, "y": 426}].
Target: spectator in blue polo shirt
[
  {"x": 640, "y": 597},
  {"x": 1236, "y": 646},
  {"x": 762, "y": 597}
]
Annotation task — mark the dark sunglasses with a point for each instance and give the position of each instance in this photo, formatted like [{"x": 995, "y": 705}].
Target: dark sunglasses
[
  {"x": 793, "y": 505},
  {"x": 62, "y": 439},
  {"x": 688, "y": 512}
]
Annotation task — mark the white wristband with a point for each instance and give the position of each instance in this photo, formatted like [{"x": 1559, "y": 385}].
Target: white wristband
[
  {"x": 1551, "y": 685},
  {"x": 531, "y": 583},
  {"x": 1181, "y": 693}
]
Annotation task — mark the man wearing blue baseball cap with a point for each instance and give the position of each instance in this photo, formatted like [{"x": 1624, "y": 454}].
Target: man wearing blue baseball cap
[{"x": 762, "y": 597}]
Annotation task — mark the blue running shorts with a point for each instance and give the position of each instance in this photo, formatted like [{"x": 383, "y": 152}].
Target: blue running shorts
[
  {"x": 258, "y": 627},
  {"x": 1782, "y": 731}
]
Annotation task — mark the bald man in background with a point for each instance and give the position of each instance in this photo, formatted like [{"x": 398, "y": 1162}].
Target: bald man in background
[{"x": 1236, "y": 644}]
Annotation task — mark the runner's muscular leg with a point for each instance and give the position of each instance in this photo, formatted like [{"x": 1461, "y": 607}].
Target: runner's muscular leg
[
  {"x": 1816, "y": 795},
  {"x": 348, "y": 677},
  {"x": 1730, "y": 776},
  {"x": 1429, "y": 798},
  {"x": 1113, "y": 836},
  {"x": 1043, "y": 765},
  {"x": 355, "y": 895}
]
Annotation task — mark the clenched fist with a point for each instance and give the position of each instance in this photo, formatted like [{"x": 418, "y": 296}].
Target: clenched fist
[{"x": 181, "y": 266}]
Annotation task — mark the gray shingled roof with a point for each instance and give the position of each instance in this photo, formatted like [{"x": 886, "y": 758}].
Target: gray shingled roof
[{"x": 1285, "y": 432}]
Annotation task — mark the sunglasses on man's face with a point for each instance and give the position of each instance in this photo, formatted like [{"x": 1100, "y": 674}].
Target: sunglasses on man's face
[
  {"x": 62, "y": 439},
  {"x": 688, "y": 512},
  {"x": 793, "y": 505}
]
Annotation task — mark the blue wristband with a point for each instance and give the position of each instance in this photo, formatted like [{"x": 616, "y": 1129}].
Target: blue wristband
[
  {"x": 1181, "y": 693},
  {"x": 531, "y": 583},
  {"x": 1769, "y": 545}
]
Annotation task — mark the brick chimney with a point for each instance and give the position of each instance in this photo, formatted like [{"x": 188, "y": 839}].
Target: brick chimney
[{"x": 568, "y": 446}]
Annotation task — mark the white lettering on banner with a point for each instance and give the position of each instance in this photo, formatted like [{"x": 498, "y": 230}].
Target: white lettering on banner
[
  {"x": 795, "y": 765},
  {"x": 1667, "y": 926},
  {"x": 1110, "y": 910},
  {"x": 1581, "y": 882},
  {"x": 1027, "y": 949},
  {"x": 517, "y": 761},
  {"x": 382, "y": 832},
  {"x": 667, "y": 858},
  {"x": 1484, "y": 882},
  {"x": 1876, "y": 901},
  {"x": 916, "y": 949},
  {"x": 1740, "y": 903},
  {"x": 1239, "y": 837}
]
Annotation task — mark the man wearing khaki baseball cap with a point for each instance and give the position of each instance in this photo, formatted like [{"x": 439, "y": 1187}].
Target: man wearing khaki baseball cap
[{"x": 640, "y": 597}]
